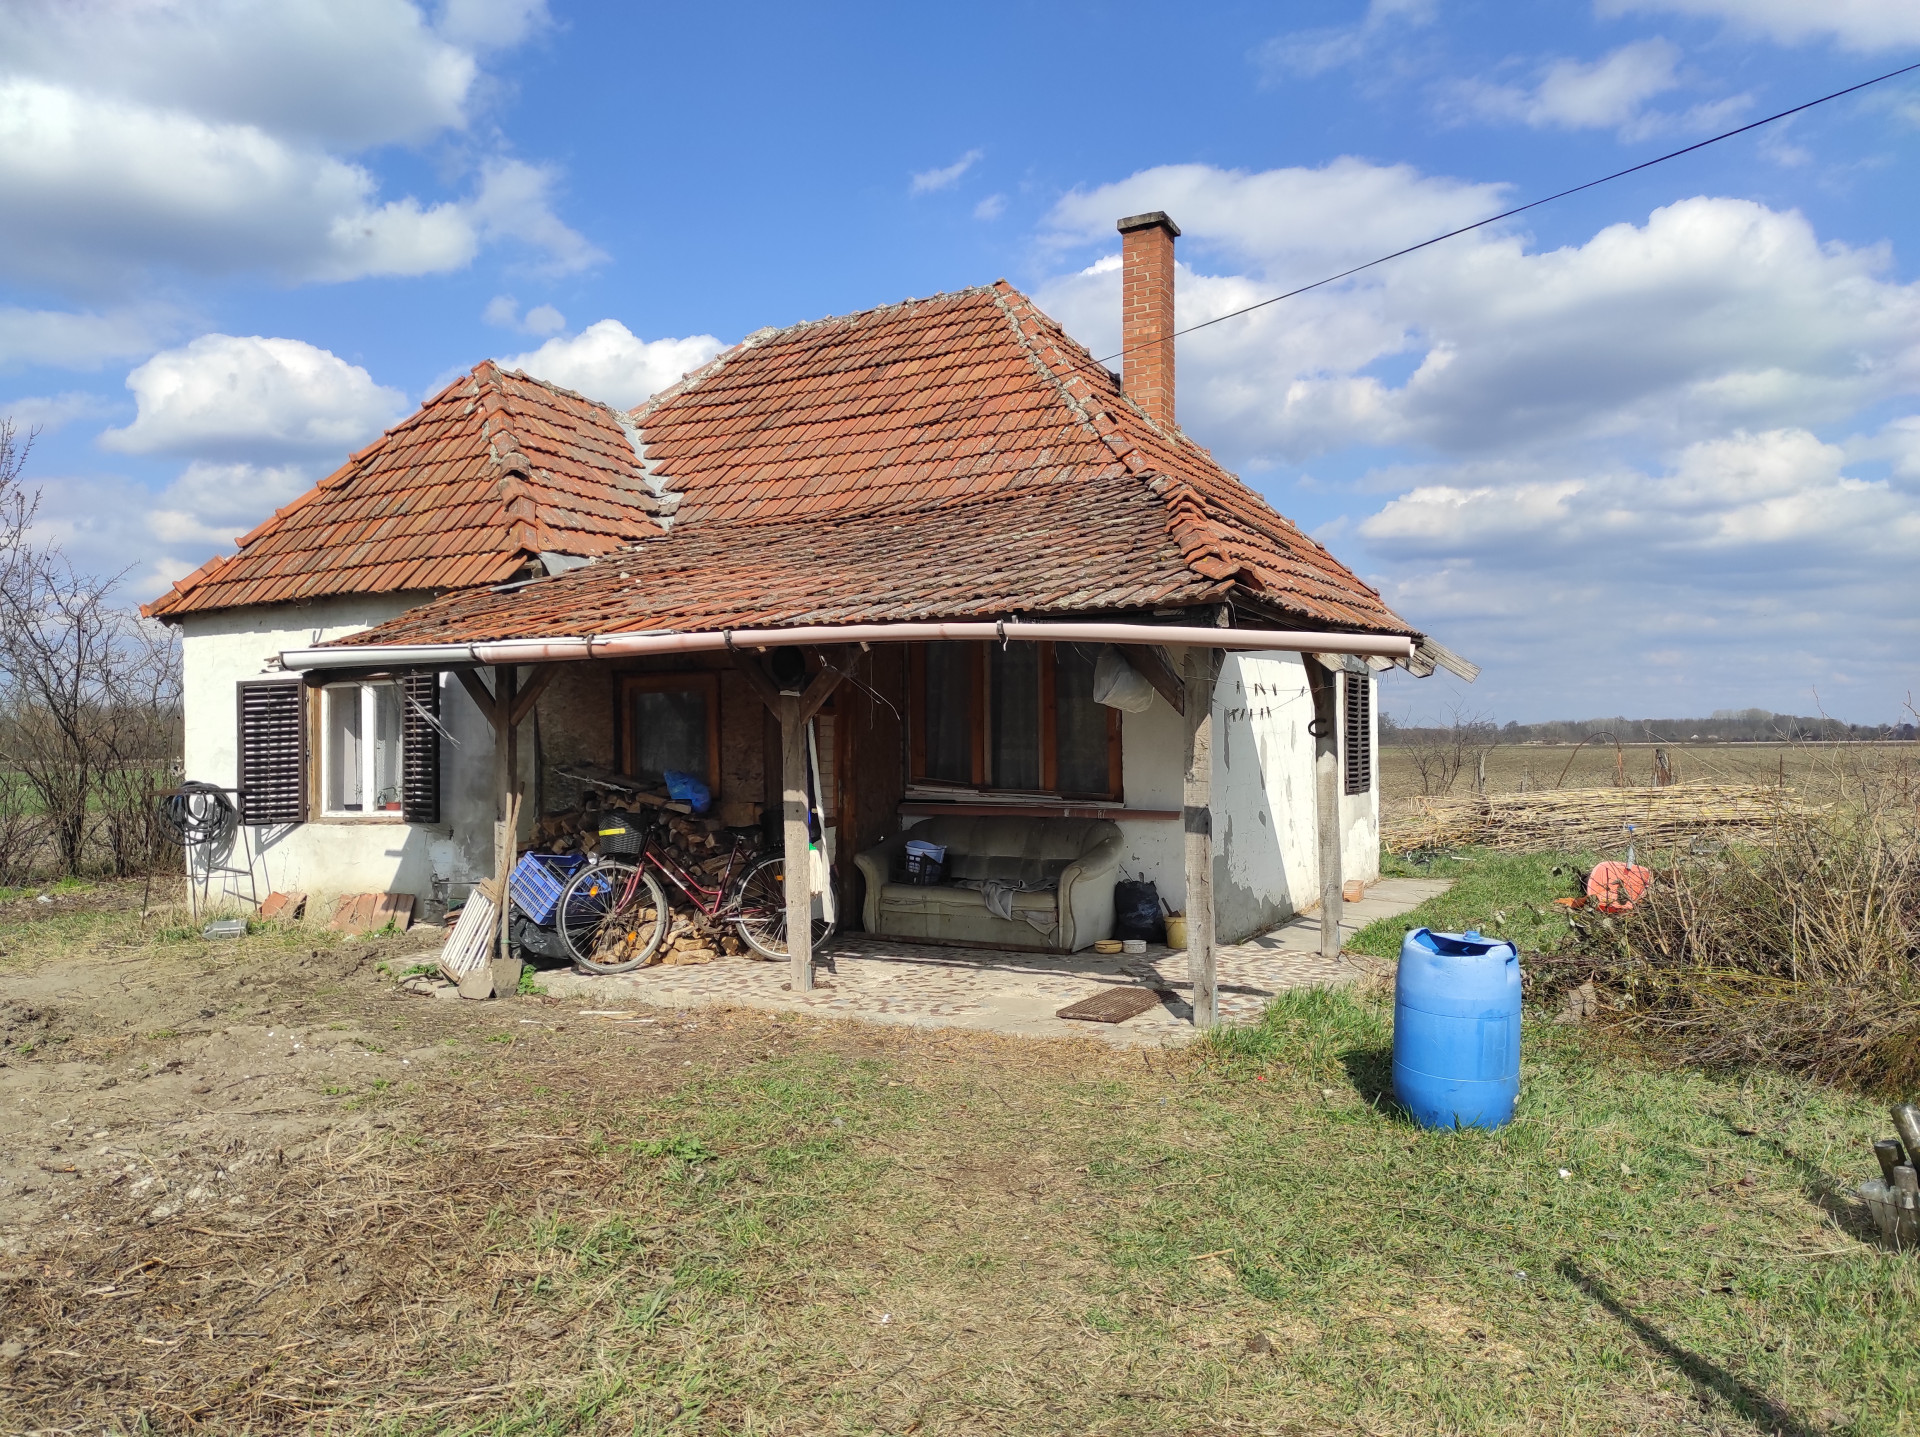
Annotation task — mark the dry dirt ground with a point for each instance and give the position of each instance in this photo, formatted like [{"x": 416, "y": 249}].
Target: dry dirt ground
[{"x": 260, "y": 1187}]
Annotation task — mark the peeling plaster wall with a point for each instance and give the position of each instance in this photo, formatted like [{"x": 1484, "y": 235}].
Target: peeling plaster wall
[
  {"x": 1266, "y": 852},
  {"x": 327, "y": 857}
]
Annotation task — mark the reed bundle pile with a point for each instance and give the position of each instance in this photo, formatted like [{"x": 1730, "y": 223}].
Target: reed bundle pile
[{"x": 1591, "y": 819}]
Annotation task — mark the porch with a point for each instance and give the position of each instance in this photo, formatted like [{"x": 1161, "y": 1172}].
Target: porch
[{"x": 884, "y": 980}]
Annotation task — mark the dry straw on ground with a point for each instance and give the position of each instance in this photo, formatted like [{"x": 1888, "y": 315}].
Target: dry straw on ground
[{"x": 1595, "y": 820}]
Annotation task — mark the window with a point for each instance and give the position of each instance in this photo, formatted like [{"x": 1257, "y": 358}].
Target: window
[
  {"x": 273, "y": 752},
  {"x": 1358, "y": 732},
  {"x": 360, "y": 743},
  {"x": 671, "y": 721},
  {"x": 1016, "y": 717}
]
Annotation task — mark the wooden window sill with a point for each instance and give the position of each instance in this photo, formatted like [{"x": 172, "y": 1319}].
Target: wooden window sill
[{"x": 1041, "y": 808}]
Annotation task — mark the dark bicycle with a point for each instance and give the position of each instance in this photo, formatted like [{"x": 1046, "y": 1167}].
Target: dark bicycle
[{"x": 614, "y": 915}]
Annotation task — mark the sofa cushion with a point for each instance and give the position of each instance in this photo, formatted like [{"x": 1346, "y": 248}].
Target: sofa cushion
[
  {"x": 944, "y": 898},
  {"x": 1007, "y": 868}
]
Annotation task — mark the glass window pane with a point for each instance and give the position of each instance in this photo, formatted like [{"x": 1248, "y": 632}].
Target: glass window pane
[
  {"x": 341, "y": 752},
  {"x": 670, "y": 732},
  {"x": 1014, "y": 687},
  {"x": 384, "y": 699},
  {"x": 1079, "y": 724},
  {"x": 949, "y": 713}
]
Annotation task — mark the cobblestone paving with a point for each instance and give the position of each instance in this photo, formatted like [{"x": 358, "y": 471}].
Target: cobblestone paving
[{"x": 891, "y": 981}]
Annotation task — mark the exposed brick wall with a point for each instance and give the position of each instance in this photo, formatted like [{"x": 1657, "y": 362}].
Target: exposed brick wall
[{"x": 1146, "y": 313}]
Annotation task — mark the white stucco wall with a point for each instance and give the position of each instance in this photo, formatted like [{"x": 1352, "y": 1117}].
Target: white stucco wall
[
  {"x": 326, "y": 857},
  {"x": 1266, "y": 849}
]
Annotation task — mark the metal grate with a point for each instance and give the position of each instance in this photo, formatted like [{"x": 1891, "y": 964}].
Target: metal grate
[
  {"x": 1358, "y": 734},
  {"x": 273, "y": 752},
  {"x": 420, "y": 748}
]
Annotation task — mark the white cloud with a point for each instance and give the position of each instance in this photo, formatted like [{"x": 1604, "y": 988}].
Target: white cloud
[
  {"x": 62, "y": 340},
  {"x": 503, "y": 312},
  {"x": 1345, "y": 211},
  {"x": 217, "y": 136},
  {"x": 991, "y": 208},
  {"x": 1314, "y": 52},
  {"x": 1562, "y": 461},
  {"x": 492, "y": 24},
  {"x": 347, "y": 73},
  {"x": 247, "y": 398},
  {"x": 926, "y": 181},
  {"x": 1610, "y": 93},
  {"x": 47, "y": 413},
  {"x": 209, "y": 506},
  {"x": 1853, "y": 24},
  {"x": 1715, "y": 314},
  {"x": 605, "y": 361}
]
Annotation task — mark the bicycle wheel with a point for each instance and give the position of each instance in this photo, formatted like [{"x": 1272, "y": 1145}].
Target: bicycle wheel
[
  {"x": 612, "y": 917},
  {"x": 761, "y": 913}
]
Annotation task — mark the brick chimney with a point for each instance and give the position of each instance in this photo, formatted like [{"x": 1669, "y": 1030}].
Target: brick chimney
[{"x": 1146, "y": 313}]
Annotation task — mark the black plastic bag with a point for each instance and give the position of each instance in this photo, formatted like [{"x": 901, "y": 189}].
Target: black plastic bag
[{"x": 1136, "y": 911}]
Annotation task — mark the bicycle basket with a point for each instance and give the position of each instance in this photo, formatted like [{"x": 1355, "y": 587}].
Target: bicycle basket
[{"x": 620, "y": 835}]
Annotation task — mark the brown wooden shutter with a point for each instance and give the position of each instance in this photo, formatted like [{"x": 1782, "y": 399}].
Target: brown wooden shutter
[
  {"x": 1359, "y": 732},
  {"x": 420, "y": 748},
  {"x": 273, "y": 752}
]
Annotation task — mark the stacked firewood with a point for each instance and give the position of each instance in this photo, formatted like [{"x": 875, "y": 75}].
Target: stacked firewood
[{"x": 700, "y": 847}]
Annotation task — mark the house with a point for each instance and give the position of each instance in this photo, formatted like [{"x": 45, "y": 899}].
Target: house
[{"x": 938, "y": 516}]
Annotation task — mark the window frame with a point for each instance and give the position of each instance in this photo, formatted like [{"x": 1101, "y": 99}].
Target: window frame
[
  {"x": 981, "y": 736},
  {"x": 702, "y": 681},
  {"x": 321, "y": 766}
]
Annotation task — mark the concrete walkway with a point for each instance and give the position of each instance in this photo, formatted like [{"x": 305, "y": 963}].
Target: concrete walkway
[{"x": 891, "y": 981}]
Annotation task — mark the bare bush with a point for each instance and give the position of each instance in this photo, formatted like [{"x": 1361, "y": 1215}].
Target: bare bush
[
  {"x": 1801, "y": 951},
  {"x": 90, "y": 714},
  {"x": 1441, "y": 754}
]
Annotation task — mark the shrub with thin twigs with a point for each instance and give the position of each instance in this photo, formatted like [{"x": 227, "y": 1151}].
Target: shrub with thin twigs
[{"x": 1801, "y": 950}]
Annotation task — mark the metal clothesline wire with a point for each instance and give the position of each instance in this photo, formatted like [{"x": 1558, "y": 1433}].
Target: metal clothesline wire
[{"x": 1519, "y": 210}]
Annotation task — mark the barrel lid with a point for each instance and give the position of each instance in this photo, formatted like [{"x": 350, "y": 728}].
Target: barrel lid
[{"x": 1470, "y": 944}]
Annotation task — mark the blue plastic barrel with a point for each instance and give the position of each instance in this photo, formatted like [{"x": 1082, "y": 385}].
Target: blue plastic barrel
[{"x": 1456, "y": 1029}]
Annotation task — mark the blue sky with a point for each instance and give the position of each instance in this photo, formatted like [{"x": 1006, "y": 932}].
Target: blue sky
[{"x": 1655, "y": 449}]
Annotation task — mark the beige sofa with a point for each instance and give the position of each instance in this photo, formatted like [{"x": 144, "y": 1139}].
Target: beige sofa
[{"x": 1079, "y": 857}]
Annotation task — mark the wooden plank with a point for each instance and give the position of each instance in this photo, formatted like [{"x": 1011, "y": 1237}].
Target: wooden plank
[
  {"x": 798, "y": 865},
  {"x": 1197, "y": 818},
  {"x": 1049, "y": 722},
  {"x": 392, "y": 908},
  {"x": 481, "y": 695},
  {"x": 530, "y": 695},
  {"x": 354, "y": 914},
  {"x": 754, "y": 670},
  {"x": 1151, "y": 662},
  {"x": 1114, "y": 1005},
  {"x": 1326, "y": 802}
]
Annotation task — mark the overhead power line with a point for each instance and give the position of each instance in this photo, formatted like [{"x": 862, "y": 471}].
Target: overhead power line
[{"x": 1522, "y": 209}]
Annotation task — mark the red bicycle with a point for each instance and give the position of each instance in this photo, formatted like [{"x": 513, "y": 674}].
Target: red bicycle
[{"x": 614, "y": 915}]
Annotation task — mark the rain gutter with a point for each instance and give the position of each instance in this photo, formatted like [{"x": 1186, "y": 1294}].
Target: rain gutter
[{"x": 618, "y": 646}]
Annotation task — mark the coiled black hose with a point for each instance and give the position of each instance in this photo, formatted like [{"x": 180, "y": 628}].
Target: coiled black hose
[{"x": 198, "y": 814}]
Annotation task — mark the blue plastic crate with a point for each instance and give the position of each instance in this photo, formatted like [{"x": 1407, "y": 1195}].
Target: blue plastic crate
[{"x": 537, "y": 879}]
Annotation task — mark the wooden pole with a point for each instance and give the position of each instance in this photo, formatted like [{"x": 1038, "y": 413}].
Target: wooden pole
[
  {"x": 506, "y": 775},
  {"x": 799, "y": 860},
  {"x": 1202, "y": 665},
  {"x": 1326, "y": 800}
]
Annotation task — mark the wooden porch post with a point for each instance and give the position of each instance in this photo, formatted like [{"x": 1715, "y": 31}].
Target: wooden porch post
[
  {"x": 1202, "y": 666},
  {"x": 793, "y": 710},
  {"x": 1326, "y": 801},
  {"x": 799, "y": 858}
]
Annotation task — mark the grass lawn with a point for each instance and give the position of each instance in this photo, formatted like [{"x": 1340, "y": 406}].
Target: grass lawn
[
  {"x": 741, "y": 1223},
  {"x": 1503, "y": 895}
]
